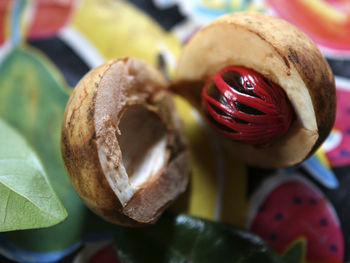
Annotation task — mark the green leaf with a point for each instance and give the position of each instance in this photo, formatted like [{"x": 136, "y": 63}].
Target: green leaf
[
  {"x": 33, "y": 99},
  {"x": 27, "y": 200},
  {"x": 296, "y": 252},
  {"x": 188, "y": 239}
]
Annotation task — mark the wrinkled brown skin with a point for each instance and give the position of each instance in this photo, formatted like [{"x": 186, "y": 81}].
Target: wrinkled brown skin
[
  {"x": 295, "y": 48},
  {"x": 79, "y": 148}
]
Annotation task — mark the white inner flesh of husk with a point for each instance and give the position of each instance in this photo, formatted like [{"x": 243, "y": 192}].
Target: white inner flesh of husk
[
  {"x": 225, "y": 45},
  {"x": 142, "y": 144},
  {"x": 131, "y": 147}
]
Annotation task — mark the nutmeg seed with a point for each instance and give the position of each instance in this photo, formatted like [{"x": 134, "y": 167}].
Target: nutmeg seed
[
  {"x": 122, "y": 142},
  {"x": 244, "y": 106}
]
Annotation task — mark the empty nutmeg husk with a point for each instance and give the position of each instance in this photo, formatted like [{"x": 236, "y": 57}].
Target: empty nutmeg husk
[{"x": 122, "y": 143}]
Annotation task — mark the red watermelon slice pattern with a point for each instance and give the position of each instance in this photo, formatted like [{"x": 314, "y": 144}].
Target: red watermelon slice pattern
[
  {"x": 287, "y": 208},
  {"x": 105, "y": 255},
  {"x": 5, "y": 6},
  {"x": 337, "y": 145},
  {"x": 94, "y": 251},
  {"x": 49, "y": 17}
]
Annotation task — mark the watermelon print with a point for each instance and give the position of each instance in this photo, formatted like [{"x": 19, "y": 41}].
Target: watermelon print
[
  {"x": 291, "y": 208},
  {"x": 337, "y": 146},
  {"x": 327, "y": 22},
  {"x": 49, "y": 17},
  {"x": 105, "y": 254},
  {"x": 4, "y": 9}
]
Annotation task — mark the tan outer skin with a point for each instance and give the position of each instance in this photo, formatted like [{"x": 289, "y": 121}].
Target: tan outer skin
[
  {"x": 81, "y": 131},
  {"x": 295, "y": 53}
]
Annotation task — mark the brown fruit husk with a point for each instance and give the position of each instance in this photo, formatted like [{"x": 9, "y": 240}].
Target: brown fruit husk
[
  {"x": 281, "y": 53},
  {"x": 93, "y": 144}
]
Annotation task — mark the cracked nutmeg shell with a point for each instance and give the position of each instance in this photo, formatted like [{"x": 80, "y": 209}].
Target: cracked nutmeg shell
[
  {"x": 281, "y": 56},
  {"x": 122, "y": 143}
]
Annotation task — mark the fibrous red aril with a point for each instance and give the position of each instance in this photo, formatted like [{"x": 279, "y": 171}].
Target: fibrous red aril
[{"x": 243, "y": 105}]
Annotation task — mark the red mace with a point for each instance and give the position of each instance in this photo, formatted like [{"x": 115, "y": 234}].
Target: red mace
[{"x": 243, "y": 105}]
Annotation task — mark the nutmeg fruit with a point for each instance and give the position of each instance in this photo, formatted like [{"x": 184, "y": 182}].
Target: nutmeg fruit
[
  {"x": 122, "y": 143},
  {"x": 282, "y": 55}
]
